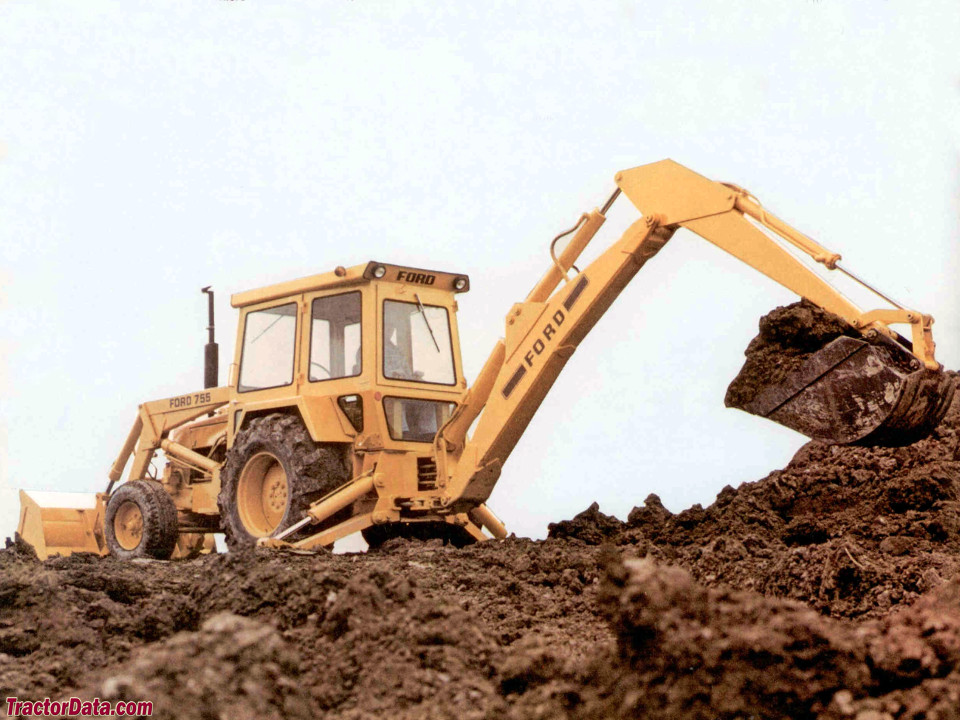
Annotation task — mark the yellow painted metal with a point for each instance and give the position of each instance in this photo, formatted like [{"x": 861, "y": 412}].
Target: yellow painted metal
[
  {"x": 588, "y": 226},
  {"x": 156, "y": 419},
  {"x": 920, "y": 328},
  {"x": 328, "y": 537},
  {"x": 345, "y": 277},
  {"x": 262, "y": 494},
  {"x": 475, "y": 532},
  {"x": 534, "y": 360},
  {"x": 342, "y": 497},
  {"x": 732, "y": 232},
  {"x": 488, "y": 520},
  {"x": 192, "y": 544},
  {"x": 291, "y": 288},
  {"x": 129, "y": 445},
  {"x": 721, "y": 213},
  {"x": 672, "y": 194},
  {"x": 62, "y": 531},
  {"x": 128, "y": 525},
  {"x": 189, "y": 456},
  {"x": 452, "y": 434},
  {"x": 746, "y": 204},
  {"x": 542, "y": 333}
]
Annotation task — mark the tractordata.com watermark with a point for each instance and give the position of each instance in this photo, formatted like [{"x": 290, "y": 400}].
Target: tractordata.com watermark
[{"x": 75, "y": 707}]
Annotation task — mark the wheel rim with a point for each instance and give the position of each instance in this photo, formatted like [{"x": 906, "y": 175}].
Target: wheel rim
[
  {"x": 128, "y": 525},
  {"x": 262, "y": 494}
]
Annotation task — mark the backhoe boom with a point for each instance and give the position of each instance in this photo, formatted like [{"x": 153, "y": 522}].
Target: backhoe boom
[{"x": 543, "y": 331}]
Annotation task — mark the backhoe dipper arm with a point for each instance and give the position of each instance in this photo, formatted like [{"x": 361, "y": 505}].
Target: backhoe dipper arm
[{"x": 543, "y": 331}]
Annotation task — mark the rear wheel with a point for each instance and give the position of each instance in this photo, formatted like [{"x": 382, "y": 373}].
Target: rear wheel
[
  {"x": 141, "y": 521},
  {"x": 271, "y": 475}
]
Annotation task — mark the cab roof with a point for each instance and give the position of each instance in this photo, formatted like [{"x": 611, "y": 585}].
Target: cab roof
[{"x": 372, "y": 271}]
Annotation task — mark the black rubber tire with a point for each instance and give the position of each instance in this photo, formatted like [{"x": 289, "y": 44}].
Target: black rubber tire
[
  {"x": 160, "y": 526},
  {"x": 377, "y": 535},
  {"x": 312, "y": 470}
]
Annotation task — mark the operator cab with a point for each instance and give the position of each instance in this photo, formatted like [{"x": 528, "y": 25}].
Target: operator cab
[{"x": 381, "y": 339}]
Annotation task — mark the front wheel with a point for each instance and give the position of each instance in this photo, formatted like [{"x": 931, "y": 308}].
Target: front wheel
[
  {"x": 271, "y": 475},
  {"x": 141, "y": 521}
]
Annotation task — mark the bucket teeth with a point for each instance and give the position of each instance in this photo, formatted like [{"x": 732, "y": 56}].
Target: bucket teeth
[{"x": 854, "y": 393}]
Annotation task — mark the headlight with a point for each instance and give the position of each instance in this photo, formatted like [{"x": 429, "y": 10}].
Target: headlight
[
  {"x": 379, "y": 271},
  {"x": 460, "y": 283}
]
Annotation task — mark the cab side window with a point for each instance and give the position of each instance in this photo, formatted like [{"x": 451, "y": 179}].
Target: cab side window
[
  {"x": 269, "y": 337},
  {"x": 335, "y": 337}
]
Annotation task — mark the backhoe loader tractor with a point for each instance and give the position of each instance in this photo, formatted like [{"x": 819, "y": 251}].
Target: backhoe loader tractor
[{"x": 347, "y": 409}]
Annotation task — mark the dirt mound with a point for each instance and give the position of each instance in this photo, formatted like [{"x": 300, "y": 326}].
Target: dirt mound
[
  {"x": 415, "y": 630},
  {"x": 231, "y": 667},
  {"x": 688, "y": 651},
  {"x": 591, "y": 526},
  {"x": 851, "y": 531},
  {"x": 61, "y": 618}
]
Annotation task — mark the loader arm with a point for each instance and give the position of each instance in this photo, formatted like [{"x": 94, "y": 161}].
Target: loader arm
[
  {"x": 155, "y": 419},
  {"x": 66, "y": 530},
  {"x": 543, "y": 331}
]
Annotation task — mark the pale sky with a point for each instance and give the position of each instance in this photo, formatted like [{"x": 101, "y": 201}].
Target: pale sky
[{"x": 150, "y": 148}]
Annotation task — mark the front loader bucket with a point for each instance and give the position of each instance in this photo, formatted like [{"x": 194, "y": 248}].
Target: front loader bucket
[
  {"x": 62, "y": 530},
  {"x": 854, "y": 393}
]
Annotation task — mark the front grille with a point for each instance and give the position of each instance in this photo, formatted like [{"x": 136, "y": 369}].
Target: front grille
[{"x": 426, "y": 474}]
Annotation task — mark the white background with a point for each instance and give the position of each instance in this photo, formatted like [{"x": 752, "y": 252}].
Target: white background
[{"x": 151, "y": 148}]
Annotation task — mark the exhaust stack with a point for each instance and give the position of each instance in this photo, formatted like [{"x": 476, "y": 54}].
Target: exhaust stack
[{"x": 211, "y": 355}]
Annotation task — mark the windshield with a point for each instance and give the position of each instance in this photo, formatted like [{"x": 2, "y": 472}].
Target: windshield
[{"x": 416, "y": 343}]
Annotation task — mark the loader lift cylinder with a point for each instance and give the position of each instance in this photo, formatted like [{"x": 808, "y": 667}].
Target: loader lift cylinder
[{"x": 211, "y": 355}]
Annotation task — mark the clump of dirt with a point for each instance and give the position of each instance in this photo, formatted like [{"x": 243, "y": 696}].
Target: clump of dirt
[
  {"x": 591, "y": 526},
  {"x": 230, "y": 667},
  {"x": 688, "y": 651},
  {"x": 788, "y": 336}
]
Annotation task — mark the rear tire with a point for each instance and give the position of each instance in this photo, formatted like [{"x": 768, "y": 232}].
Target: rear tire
[
  {"x": 141, "y": 521},
  {"x": 271, "y": 475}
]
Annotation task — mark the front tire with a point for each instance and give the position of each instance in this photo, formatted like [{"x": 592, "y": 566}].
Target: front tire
[
  {"x": 141, "y": 521},
  {"x": 271, "y": 475}
]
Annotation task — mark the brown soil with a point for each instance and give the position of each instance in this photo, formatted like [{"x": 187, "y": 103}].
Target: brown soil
[
  {"x": 829, "y": 589},
  {"x": 788, "y": 336}
]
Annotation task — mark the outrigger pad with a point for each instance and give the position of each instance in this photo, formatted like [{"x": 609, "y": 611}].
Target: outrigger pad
[{"x": 852, "y": 392}]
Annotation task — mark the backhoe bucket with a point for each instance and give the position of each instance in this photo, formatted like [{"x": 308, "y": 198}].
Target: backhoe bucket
[
  {"x": 853, "y": 393},
  {"x": 62, "y": 530}
]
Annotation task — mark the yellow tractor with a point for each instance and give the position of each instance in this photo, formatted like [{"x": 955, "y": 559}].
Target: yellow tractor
[{"x": 347, "y": 409}]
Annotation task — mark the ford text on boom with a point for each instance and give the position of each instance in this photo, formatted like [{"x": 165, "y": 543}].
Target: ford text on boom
[
  {"x": 419, "y": 278},
  {"x": 183, "y": 401},
  {"x": 540, "y": 344}
]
